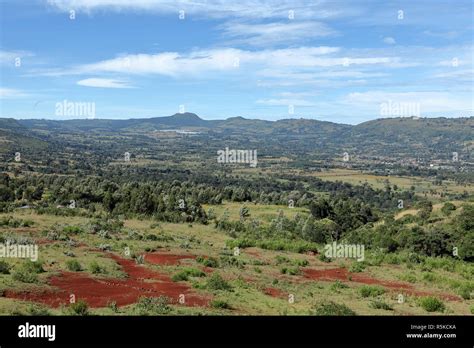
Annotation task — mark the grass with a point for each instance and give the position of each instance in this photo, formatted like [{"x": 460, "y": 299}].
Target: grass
[
  {"x": 186, "y": 273},
  {"x": 245, "y": 296},
  {"x": 371, "y": 291},
  {"x": 431, "y": 304},
  {"x": 331, "y": 308},
  {"x": 216, "y": 282},
  {"x": 73, "y": 265}
]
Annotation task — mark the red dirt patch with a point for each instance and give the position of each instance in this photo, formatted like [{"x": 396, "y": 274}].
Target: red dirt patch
[
  {"x": 98, "y": 292},
  {"x": 273, "y": 292},
  {"x": 166, "y": 259},
  {"x": 343, "y": 274}
]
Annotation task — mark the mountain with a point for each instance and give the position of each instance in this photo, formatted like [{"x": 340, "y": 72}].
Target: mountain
[
  {"x": 14, "y": 135},
  {"x": 402, "y": 137}
]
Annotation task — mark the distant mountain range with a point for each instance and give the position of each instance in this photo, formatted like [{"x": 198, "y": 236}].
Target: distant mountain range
[{"x": 406, "y": 136}]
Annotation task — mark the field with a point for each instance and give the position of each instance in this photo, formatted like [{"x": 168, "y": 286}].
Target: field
[{"x": 193, "y": 269}]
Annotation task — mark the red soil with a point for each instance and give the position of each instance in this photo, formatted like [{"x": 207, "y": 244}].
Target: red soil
[
  {"x": 166, "y": 259},
  {"x": 273, "y": 292},
  {"x": 98, "y": 292},
  {"x": 253, "y": 252},
  {"x": 343, "y": 274}
]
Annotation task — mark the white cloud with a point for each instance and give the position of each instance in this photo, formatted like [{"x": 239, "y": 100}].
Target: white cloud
[
  {"x": 103, "y": 83},
  {"x": 263, "y": 34},
  {"x": 428, "y": 101},
  {"x": 257, "y": 9},
  {"x": 10, "y": 93},
  {"x": 285, "y": 102},
  {"x": 389, "y": 40},
  {"x": 218, "y": 60},
  {"x": 9, "y": 57}
]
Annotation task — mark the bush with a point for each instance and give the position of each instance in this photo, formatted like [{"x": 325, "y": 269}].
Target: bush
[
  {"x": 33, "y": 266},
  {"x": 431, "y": 304},
  {"x": 371, "y": 291},
  {"x": 4, "y": 267},
  {"x": 216, "y": 282},
  {"x": 153, "y": 305},
  {"x": 38, "y": 310},
  {"x": 331, "y": 308},
  {"x": 79, "y": 308},
  {"x": 356, "y": 267},
  {"x": 208, "y": 261},
  {"x": 465, "y": 291},
  {"x": 184, "y": 274},
  {"x": 447, "y": 208},
  {"x": 281, "y": 259},
  {"x": 24, "y": 276},
  {"x": 68, "y": 230},
  {"x": 73, "y": 265},
  {"x": 338, "y": 285},
  {"x": 95, "y": 268},
  {"x": 381, "y": 305},
  {"x": 113, "y": 306},
  {"x": 324, "y": 258},
  {"x": 231, "y": 261},
  {"x": 220, "y": 304},
  {"x": 27, "y": 272},
  {"x": 290, "y": 270},
  {"x": 301, "y": 263}
]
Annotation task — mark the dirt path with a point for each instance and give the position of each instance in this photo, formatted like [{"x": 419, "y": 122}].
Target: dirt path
[{"x": 343, "y": 274}]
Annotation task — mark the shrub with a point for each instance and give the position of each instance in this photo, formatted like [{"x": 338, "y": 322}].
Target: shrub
[
  {"x": 73, "y": 265},
  {"x": 431, "y": 304},
  {"x": 370, "y": 291},
  {"x": 338, "y": 285},
  {"x": 72, "y": 230},
  {"x": 381, "y": 305},
  {"x": 33, "y": 266},
  {"x": 324, "y": 258},
  {"x": 95, "y": 268},
  {"x": 4, "y": 267},
  {"x": 184, "y": 274},
  {"x": 113, "y": 306},
  {"x": 331, "y": 308},
  {"x": 290, "y": 270},
  {"x": 447, "y": 208},
  {"x": 79, "y": 308},
  {"x": 24, "y": 276},
  {"x": 153, "y": 305},
  {"x": 356, "y": 267},
  {"x": 220, "y": 304},
  {"x": 232, "y": 261},
  {"x": 208, "y": 261},
  {"x": 281, "y": 259},
  {"x": 465, "y": 291},
  {"x": 140, "y": 259},
  {"x": 27, "y": 272},
  {"x": 301, "y": 263},
  {"x": 430, "y": 277},
  {"x": 408, "y": 277},
  {"x": 38, "y": 310},
  {"x": 216, "y": 282}
]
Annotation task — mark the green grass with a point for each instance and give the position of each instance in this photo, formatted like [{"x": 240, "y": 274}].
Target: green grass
[{"x": 431, "y": 304}]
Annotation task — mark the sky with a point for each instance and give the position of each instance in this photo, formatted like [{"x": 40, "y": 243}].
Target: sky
[{"x": 333, "y": 60}]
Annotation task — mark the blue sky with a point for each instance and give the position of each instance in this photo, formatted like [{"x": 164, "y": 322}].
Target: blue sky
[{"x": 340, "y": 61}]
